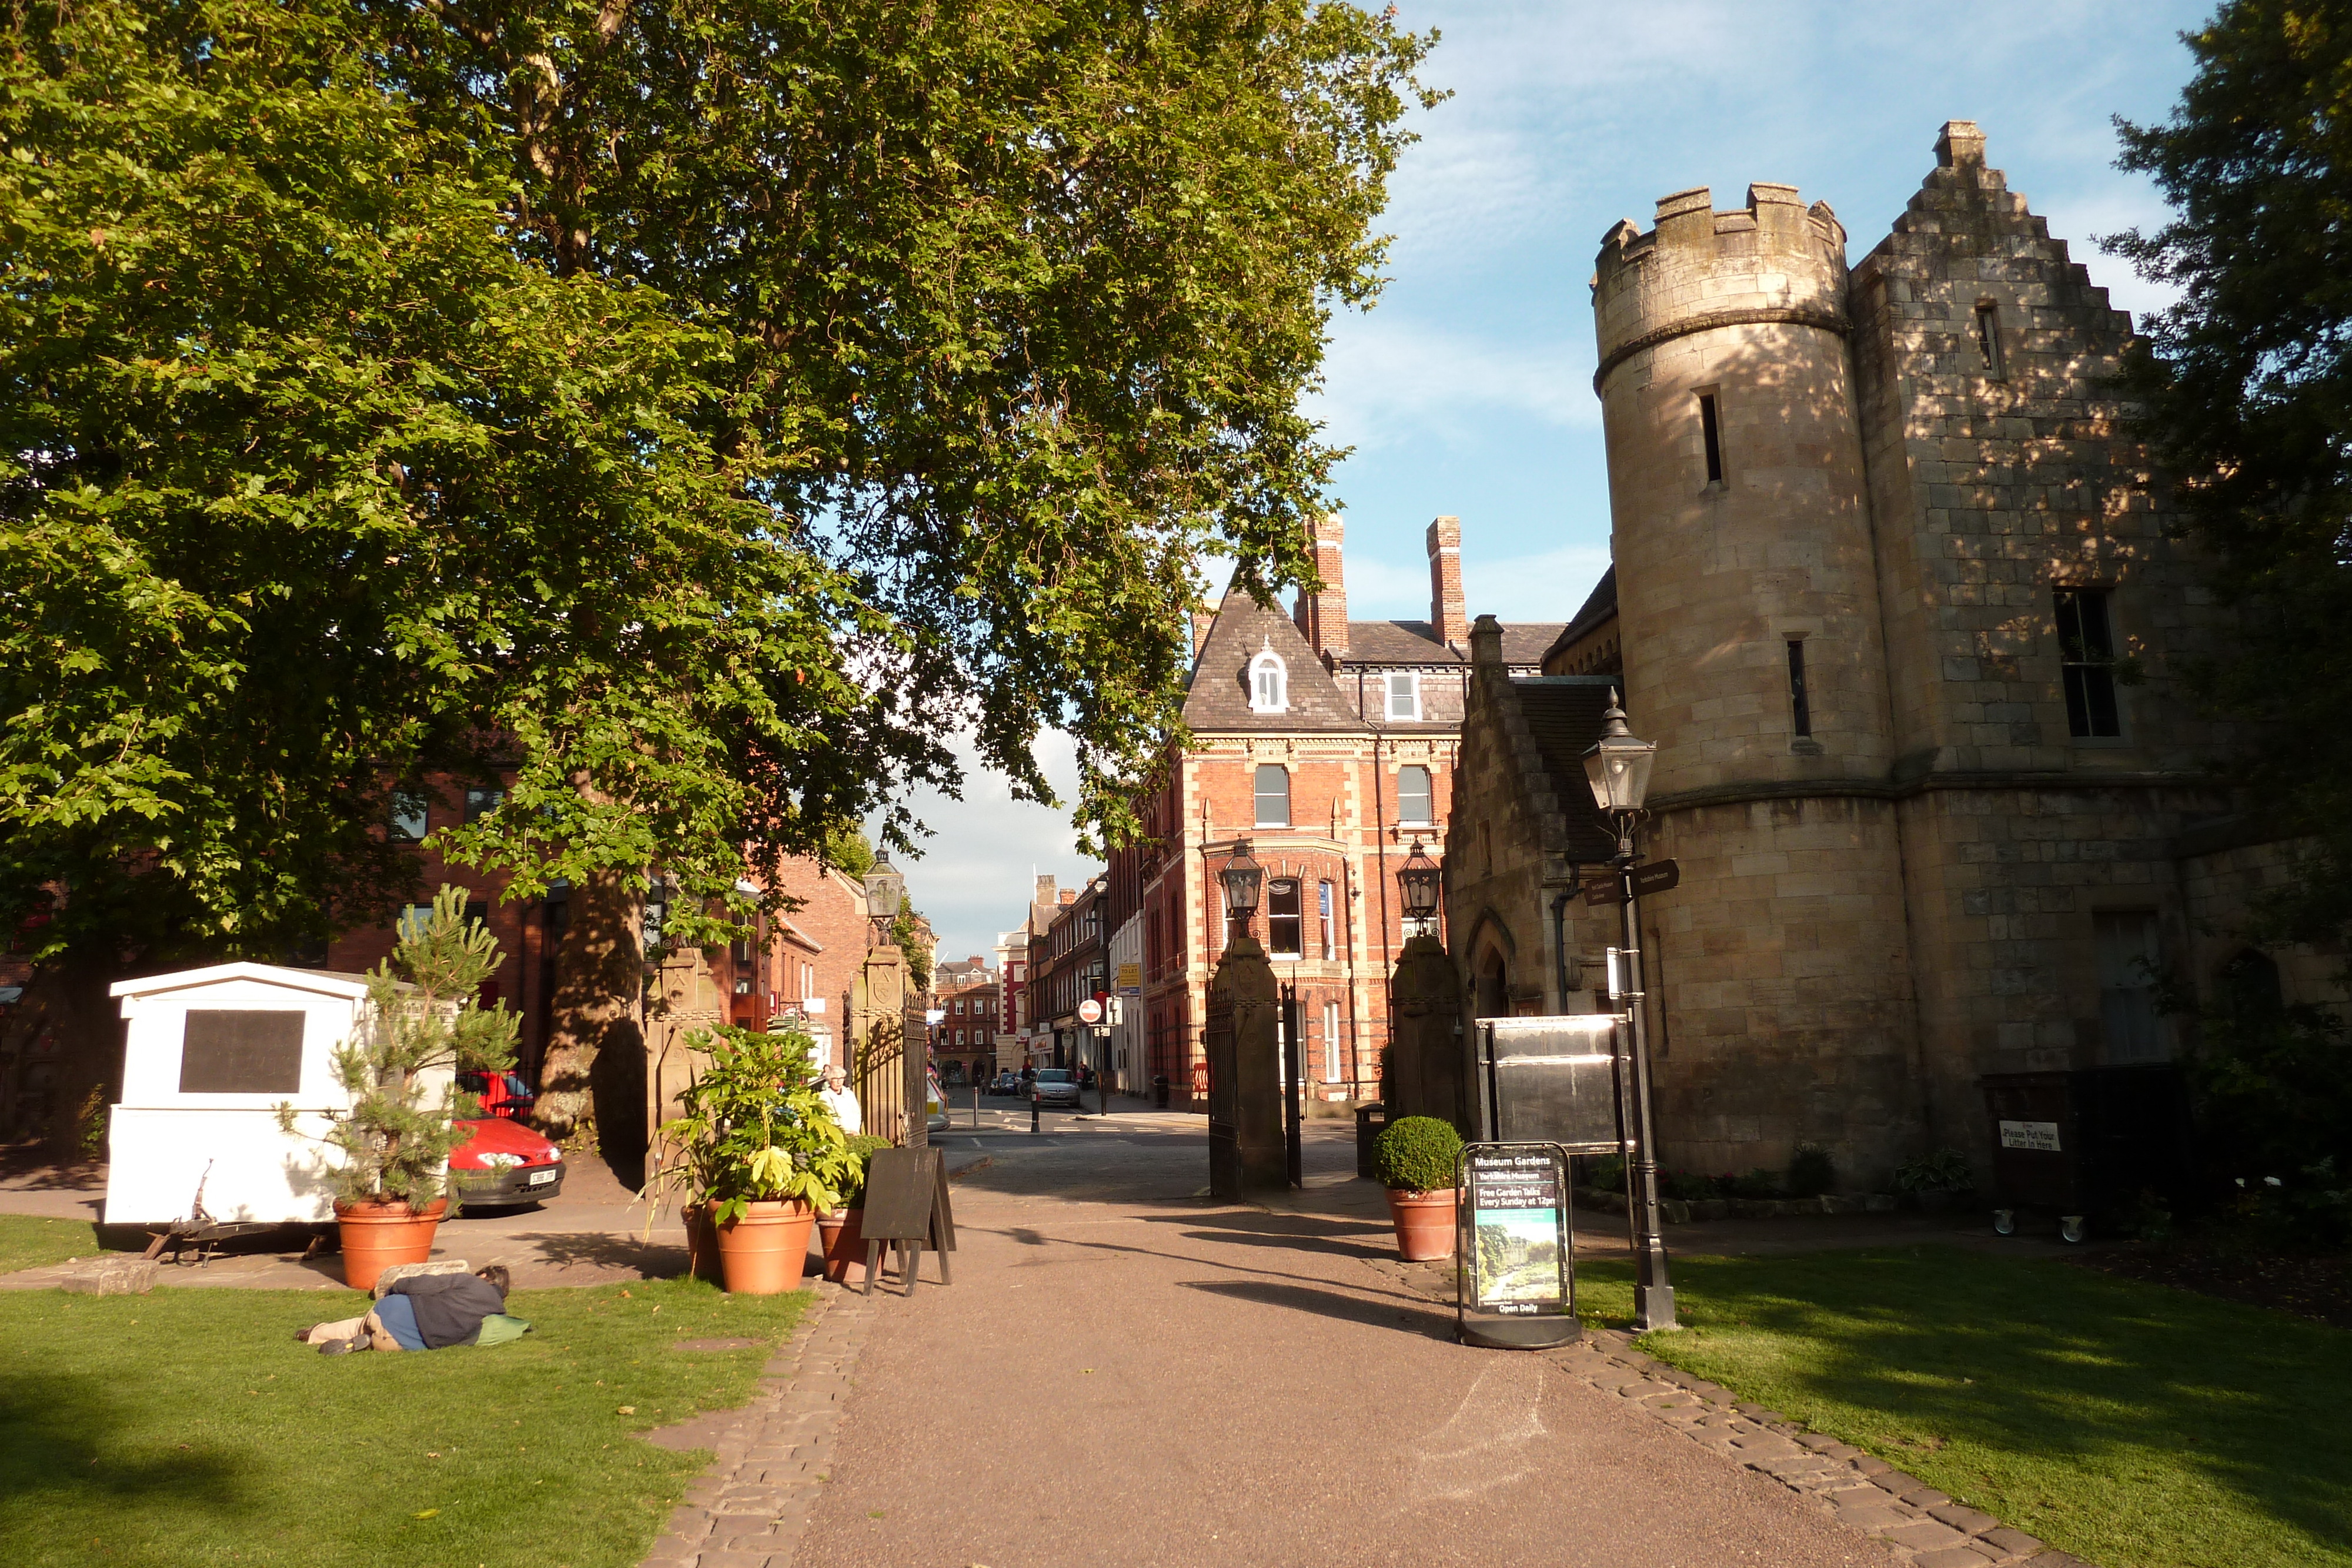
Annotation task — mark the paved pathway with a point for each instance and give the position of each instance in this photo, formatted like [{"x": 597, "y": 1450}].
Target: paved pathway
[{"x": 1125, "y": 1373}]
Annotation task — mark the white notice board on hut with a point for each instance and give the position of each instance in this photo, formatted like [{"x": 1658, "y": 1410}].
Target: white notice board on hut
[{"x": 208, "y": 1056}]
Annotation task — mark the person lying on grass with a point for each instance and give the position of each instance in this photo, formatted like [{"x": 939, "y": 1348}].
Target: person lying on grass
[{"x": 426, "y": 1312}]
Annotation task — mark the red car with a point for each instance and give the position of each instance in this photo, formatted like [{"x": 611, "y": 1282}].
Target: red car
[{"x": 504, "y": 1162}]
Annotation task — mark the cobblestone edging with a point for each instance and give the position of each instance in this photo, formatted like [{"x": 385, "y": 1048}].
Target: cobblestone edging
[
  {"x": 1920, "y": 1525},
  {"x": 748, "y": 1510}
]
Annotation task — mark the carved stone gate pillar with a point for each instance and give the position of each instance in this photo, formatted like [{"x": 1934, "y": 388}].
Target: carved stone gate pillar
[
  {"x": 1428, "y": 1059},
  {"x": 1247, "y": 1152},
  {"x": 882, "y": 1064}
]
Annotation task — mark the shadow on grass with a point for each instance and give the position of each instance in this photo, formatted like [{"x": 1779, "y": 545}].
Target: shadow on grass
[
  {"x": 2106, "y": 1397},
  {"x": 70, "y": 1444}
]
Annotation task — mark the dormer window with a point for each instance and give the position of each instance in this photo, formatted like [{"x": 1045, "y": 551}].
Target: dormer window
[
  {"x": 1404, "y": 696},
  {"x": 1269, "y": 683}
]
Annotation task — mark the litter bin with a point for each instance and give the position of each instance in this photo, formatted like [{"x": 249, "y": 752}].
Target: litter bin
[
  {"x": 1370, "y": 1122},
  {"x": 1159, "y": 1090},
  {"x": 2083, "y": 1145}
]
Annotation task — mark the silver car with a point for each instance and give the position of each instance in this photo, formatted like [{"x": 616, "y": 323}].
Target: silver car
[{"x": 1056, "y": 1086}]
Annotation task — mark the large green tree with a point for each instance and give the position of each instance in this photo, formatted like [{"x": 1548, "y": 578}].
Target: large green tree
[
  {"x": 693, "y": 410},
  {"x": 2249, "y": 396}
]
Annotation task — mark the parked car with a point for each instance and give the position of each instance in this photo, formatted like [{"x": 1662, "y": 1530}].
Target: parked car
[
  {"x": 504, "y": 1164},
  {"x": 1007, "y": 1082},
  {"x": 502, "y": 1095},
  {"x": 1056, "y": 1086},
  {"x": 935, "y": 1105}
]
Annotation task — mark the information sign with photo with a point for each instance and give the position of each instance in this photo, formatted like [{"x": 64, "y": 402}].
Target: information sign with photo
[{"x": 1517, "y": 1281}]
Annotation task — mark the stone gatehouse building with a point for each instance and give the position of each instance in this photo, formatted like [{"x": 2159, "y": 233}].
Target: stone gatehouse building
[{"x": 1893, "y": 592}]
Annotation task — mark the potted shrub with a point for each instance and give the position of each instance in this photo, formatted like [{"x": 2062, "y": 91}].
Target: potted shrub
[
  {"x": 423, "y": 1026},
  {"x": 842, "y": 1233},
  {"x": 762, "y": 1153},
  {"x": 1415, "y": 1159}
]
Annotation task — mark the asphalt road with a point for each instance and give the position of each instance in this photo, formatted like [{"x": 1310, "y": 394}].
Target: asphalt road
[{"x": 1123, "y": 1373}]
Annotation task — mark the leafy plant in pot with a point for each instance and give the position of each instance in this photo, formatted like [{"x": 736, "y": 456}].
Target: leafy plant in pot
[
  {"x": 423, "y": 1025},
  {"x": 1416, "y": 1159},
  {"x": 761, "y": 1152},
  {"x": 843, "y": 1232}
]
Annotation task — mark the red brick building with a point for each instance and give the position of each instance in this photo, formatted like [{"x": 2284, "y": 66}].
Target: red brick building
[
  {"x": 1329, "y": 745},
  {"x": 967, "y": 996}
]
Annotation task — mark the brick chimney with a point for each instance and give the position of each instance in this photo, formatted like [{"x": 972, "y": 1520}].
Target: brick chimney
[
  {"x": 1323, "y": 617},
  {"x": 1447, "y": 614}
]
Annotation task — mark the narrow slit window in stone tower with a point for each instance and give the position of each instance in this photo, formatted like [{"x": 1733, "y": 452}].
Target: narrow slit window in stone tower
[
  {"x": 2087, "y": 653},
  {"x": 1273, "y": 795},
  {"x": 1711, "y": 435},
  {"x": 1800, "y": 707},
  {"x": 1988, "y": 338}
]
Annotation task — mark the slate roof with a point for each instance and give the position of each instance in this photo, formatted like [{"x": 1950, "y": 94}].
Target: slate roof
[
  {"x": 1220, "y": 698},
  {"x": 1415, "y": 642},
  {"x": 1563, "y": 717},
  {"x": 1598, "y": 606}
]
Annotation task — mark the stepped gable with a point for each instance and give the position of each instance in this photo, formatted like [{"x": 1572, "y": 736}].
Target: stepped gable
[
  {"x": 1220, "y": 698},
  {"x": 1562, "y": 714}
]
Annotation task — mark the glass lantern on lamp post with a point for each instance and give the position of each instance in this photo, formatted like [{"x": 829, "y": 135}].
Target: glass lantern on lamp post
[
  {"x": 1420, "y": 881},
  {"x": 1242, "y": 878},
  {"x": 886, "y": 891},
  {"x": 1618, "y": 768}
]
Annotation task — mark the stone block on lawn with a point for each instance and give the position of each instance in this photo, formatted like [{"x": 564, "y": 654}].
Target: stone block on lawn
[
  {"x": 2016, "y": 1542},
  {"x": 1925, "y": 1535},
  {"x": 118, "y": 1277},
  {"x": 1959, "y": 1516}
]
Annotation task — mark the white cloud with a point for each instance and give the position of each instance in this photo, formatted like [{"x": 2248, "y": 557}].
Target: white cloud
[
  {"x": 1392, "y": 380},
  {"x": 974, "y": 876}
]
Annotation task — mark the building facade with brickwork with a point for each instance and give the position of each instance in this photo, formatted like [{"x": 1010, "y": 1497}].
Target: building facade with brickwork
[
  {"x": 1893, "y": 592},
  {"x": 1328, "y": 745},
  {"x": 963, "y": 1043}
]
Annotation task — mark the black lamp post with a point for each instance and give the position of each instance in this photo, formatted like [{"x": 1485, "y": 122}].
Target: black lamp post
[
  {"x": 1419, "y": 880},
  {"x": 1618, "y": 767},
  {"x": 1242, "y": 877}
]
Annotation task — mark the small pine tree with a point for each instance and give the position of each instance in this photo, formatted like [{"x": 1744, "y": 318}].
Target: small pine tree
[{"x": 423, "y": 1016}]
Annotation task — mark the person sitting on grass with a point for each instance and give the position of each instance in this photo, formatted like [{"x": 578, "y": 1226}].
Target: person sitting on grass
[{"x": 426, "y": 1312}]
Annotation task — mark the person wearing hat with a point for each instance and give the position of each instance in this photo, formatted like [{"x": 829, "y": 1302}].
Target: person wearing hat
[{"x": 841, "y": 1100}]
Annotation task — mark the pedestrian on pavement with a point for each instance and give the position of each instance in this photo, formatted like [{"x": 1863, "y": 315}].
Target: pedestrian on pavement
[{"x": 842, "y": 1100}]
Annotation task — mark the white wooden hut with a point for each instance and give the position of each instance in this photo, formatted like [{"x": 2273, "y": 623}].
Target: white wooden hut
[{"x": 209, "y": 1056}]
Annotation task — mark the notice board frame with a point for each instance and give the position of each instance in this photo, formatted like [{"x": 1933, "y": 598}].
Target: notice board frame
[
  {"x": 1535, "y": 1329},
  {"x": 907, "y": 1207},
  {"x": 1576, "y": 1071}
]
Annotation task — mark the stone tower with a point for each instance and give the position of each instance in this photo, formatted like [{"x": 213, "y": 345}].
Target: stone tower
[{"x": 1755, "y": 657}]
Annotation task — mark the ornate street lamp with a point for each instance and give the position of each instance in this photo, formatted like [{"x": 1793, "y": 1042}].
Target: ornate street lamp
[
  {"x": 1618, "y": 767},
  {"x": 1420, "y": 880},
  {"x": 1242, "y": 877},
  {"x": 886, "y": 890}
]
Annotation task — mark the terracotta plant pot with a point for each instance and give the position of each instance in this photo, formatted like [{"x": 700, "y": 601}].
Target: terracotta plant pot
[
  {"x": 844, "y": 1243},
  {"x": 375, "y": 1236},
  {"x": 765, "y": 1252},
  {"x": 1425, "y": 1223},
  {"x": 701, "y": 1244}
]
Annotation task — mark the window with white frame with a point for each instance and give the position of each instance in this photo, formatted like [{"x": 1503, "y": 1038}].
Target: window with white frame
[
  {"x": 1403, "y": 694},
  {"x": 1416, "y": 803},
  {"x": 1282, "y": 917},
  {"x": 1331, "y": 1065},
  {"x": 1273, "y": 789},
  {"x": 1269, "y": 683}
]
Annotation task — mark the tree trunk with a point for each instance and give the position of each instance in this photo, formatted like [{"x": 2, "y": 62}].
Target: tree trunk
[
  {"x": 85, "y": 1028},
  {"x": 600, "y": 975}
]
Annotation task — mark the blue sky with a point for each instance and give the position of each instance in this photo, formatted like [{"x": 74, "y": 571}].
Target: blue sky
[{"x": 1467, "y": 389}]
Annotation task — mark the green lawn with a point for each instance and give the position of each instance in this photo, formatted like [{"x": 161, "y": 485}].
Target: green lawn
[
  {"x": 187, "y": 1427},
  {"x": 28, "y": 1241},
  {"x": 2133, "y": 1424}
]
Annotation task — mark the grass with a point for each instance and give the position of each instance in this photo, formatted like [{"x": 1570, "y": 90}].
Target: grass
[
  {"x": 28, "y": 1241},
  {"x": 187, "y": 1427},
  {"x": 2130, "y": 1424}
]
